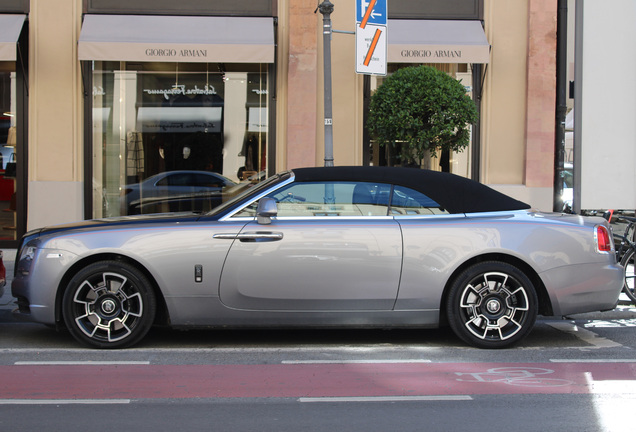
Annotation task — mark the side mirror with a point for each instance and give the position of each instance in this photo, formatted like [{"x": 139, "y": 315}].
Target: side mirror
[{"x": 266, "y": 210}]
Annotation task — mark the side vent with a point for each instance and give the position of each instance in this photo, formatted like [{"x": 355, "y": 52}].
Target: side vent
[{"x": 198, "y": 273}]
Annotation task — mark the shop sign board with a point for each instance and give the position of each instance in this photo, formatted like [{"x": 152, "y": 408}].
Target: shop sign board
[{"x": 371, "y": 37}]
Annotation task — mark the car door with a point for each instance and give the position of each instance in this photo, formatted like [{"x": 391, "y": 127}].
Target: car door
[{"x": 332, "y": 246}]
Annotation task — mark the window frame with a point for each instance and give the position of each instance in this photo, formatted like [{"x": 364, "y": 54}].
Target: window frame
[{"x": 236, "y": 214}]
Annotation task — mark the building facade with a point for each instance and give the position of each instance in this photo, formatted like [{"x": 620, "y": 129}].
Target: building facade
[{"x": 99, "y": 96}]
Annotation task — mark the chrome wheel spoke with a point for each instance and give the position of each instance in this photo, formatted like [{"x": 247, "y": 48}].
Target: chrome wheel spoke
[
  {"x": 115, "y": 330},
  {"x": 518, "y": 300},
  {"x": 121, "y": 330},
  {"x": 133, "y": 305}
]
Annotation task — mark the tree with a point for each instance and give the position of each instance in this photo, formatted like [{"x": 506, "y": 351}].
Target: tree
[{"x": 420, "y": 110}]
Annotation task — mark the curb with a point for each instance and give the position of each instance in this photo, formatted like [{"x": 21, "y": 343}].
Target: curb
[{"x": 624, "y": 311}]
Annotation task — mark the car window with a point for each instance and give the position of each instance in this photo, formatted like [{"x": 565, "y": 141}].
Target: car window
[
  {"x": 180, "y": 179},
  {"x": 328, "y": 199},
  {"x": 191, "y": 180},
  {"x": 205, "y": 180},
  {"x": 406, "y": 201}
]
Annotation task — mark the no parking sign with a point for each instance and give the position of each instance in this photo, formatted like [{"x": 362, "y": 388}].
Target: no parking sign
[{"x": 371, "y": 40}]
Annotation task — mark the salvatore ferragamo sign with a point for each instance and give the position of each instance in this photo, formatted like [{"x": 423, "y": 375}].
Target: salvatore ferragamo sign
[{"x": 182, "y": 90}]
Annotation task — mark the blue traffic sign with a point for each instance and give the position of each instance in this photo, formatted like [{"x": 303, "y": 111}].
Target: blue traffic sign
[{"x": 377, "y": 15}]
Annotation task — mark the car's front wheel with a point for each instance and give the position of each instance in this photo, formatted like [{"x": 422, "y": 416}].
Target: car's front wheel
[
  {"x": 109, "y": 304},
  {"x": 492, "y": 305}
]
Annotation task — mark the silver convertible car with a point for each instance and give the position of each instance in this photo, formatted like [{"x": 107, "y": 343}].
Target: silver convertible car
[{"x": 323, "y": 247}]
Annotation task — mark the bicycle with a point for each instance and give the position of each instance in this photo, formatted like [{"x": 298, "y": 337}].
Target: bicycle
[{"x": 626, "y": 256}]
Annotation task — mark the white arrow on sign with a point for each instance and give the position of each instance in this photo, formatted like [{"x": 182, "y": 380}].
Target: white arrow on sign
[{"x": 371, "y": 12}]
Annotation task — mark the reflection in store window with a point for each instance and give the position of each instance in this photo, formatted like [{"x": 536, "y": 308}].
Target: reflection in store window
[
  {"x": 155, "y": 118},
  {"x": 8, "y": 157}
]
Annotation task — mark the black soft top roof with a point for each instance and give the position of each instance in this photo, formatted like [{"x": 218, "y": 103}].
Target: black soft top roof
[{"x": 454, "y": 193}]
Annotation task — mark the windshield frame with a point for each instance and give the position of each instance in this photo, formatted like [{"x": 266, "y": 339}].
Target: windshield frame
[{"x": 249, "y": 195}]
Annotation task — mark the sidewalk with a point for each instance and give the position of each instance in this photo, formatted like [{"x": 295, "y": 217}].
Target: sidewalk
[{"x": 624, "y": 311}]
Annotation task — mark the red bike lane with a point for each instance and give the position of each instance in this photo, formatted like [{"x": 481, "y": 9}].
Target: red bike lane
[{"x": 86, "y": 381}]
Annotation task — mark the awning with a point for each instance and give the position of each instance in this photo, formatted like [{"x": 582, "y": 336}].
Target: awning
[
  {"x": 189, "y": 39},
  {"x": 436, "y": 41},
  {"x": 10, "y": 28}
]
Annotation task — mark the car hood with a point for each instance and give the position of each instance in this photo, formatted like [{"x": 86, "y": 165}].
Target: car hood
[{"x": 92, "y": 224}]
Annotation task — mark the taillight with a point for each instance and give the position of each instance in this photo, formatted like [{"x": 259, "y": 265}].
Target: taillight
[{"x": 603, "y": 239}]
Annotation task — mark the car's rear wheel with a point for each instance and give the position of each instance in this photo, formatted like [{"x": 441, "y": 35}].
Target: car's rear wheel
[
  {"x": 109, "y": 304},
  {"x": 492, "y": 305}
]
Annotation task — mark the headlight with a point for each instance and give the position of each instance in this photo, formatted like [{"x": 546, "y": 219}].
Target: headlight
[{"x": 27, "y": 255}]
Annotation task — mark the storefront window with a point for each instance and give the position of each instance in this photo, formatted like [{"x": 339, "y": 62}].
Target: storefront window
[
  {"x": 175, "y": 136},
  {"x": 8, "y": 140},
  {"x": 457, "y": 163}
]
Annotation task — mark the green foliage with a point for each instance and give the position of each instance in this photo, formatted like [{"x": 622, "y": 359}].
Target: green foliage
[{"x": 424, "y": 109}]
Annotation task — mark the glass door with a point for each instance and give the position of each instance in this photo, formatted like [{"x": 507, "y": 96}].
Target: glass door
[{"x": 8, "y": 156}]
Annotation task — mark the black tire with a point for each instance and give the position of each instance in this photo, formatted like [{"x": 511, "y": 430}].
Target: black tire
[
  {"x": 109, "y": 304},
  {"x": 628, "y": 262},
  {"x": 492, "y": 305}
]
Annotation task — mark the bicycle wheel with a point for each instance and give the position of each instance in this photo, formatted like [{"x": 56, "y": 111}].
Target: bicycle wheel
[{"x": 629, "y": 265}]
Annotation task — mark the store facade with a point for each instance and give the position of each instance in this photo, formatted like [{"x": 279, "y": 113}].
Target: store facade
[
  {"x": 179, "y": 105},
  {"x": 13, "y": 119},
  {"x": 451, "y": 39},
  {"x": 122, "y": 91},
  {"x": 514, "y": 87}
]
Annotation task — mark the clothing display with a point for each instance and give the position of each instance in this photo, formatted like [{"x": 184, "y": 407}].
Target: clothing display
[{"x": 135, "y": 154}]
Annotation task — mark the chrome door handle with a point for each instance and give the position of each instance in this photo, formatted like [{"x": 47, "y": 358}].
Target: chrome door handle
[
  {"x": 253, "y": 236},
  {"x": 260, "y": 236},
  {"x": 230, "y": 236}
]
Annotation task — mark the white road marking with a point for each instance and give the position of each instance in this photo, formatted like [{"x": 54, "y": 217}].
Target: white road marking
[
  {"x": 352, "y": 361},
  {"x": 63, "y": 401},
  {"x": 80, "y": 363},
  {"x": 593, "y": 360},
  {"x": 586, "y": 336},
  {"x": 386, "y": 398},
  {"x": 298, "y": 349}
]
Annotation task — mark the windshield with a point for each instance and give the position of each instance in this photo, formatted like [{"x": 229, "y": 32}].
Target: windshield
[{"x": 234, "y": 195}]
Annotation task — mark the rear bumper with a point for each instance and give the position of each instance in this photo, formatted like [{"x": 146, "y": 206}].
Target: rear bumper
[{"x": 583, "y": 288}]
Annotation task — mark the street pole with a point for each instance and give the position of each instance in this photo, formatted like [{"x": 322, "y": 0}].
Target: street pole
[
  {"x": 326, "y": 8},
  {"x": 561, "y": 104}
]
